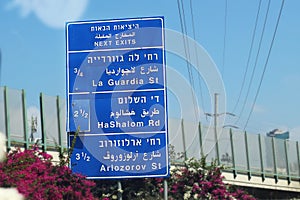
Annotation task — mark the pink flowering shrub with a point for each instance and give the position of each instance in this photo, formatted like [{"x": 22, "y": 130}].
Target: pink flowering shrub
[
  {"x": 196, "y": 180},
  {"x": 34, "y": 175}
]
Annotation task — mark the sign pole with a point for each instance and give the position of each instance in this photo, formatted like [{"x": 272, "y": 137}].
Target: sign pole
[
  {"x": 165, "y": 189},
  {"x": 119, "y": 190}
]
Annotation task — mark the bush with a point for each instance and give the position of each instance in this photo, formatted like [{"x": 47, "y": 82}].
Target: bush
[
  {"x": 196, "y": 180},
  {"x": 192, "y": 180},
  {"x": 34, "y": 175}
]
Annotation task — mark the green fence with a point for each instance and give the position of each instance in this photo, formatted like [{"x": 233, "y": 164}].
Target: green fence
[
  {"x": 19, "y": 127},
  {"x": 240, "y": 152}
]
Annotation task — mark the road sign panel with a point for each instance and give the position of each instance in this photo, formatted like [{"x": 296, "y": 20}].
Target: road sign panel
[{"x": 116, "y": 96}]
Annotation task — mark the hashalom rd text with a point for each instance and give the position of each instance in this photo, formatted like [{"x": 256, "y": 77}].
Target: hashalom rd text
[{"x": 129, "y": 124}]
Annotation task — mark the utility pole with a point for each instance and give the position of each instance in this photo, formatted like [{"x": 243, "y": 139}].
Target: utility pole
[
  {"x": 215, "y": 116},
  {"x": 216, "y": 127},
  {"x": 33, "y": 127}
]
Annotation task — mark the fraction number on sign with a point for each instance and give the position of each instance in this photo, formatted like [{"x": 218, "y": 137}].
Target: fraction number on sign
[{"x": 84, "y": 156}]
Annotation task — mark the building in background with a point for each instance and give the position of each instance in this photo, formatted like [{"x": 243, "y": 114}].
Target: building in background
[
  {"x": 279, "y": 134},
  {"x": 279, "y": 150}
]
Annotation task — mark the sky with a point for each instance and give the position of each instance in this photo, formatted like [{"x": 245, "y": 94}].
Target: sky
[{"x": 33, "y": 53}]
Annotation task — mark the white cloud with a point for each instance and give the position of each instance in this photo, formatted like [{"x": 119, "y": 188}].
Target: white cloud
[
  {"x": 259, "y": 109},
  {"x": 53, "y": 13},
  {"x": 33, "y": 111}
]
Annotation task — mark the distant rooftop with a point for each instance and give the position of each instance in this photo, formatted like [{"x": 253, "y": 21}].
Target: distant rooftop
[{"x": 279, "y": 134}]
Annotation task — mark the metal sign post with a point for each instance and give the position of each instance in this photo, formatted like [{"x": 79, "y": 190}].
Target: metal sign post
[{"x": 116, "y": 94}]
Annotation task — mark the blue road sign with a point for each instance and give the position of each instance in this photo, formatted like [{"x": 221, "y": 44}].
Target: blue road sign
[{"x": 116, "y": 97}]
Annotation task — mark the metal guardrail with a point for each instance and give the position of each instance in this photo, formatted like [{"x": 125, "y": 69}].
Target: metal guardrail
[{"x": 240, "y": 152}]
